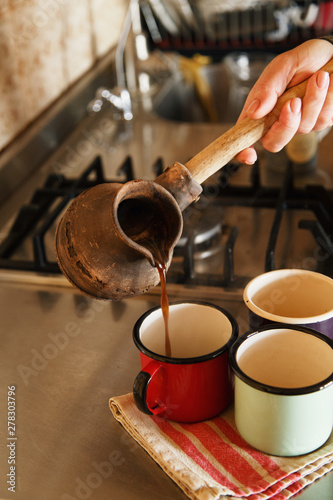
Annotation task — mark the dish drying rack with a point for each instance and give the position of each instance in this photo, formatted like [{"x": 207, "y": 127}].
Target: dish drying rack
[{"x": 212, "y": 26}]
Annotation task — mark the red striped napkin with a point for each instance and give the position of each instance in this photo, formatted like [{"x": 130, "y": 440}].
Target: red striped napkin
[{"x": 209, "y": 460}]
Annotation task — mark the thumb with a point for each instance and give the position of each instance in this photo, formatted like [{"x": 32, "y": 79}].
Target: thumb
[
  {"x": 269, "y": 86},
  {"x": 262, "y": 99}
]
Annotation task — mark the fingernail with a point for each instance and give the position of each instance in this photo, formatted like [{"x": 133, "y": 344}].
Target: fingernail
[
  {"x": 322, "y": 79},
  {"x": 253, "y": 106},
  {"x": 296, "y": 105}
]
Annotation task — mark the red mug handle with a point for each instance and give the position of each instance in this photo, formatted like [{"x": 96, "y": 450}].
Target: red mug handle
[{"x": 141, "y": 388}]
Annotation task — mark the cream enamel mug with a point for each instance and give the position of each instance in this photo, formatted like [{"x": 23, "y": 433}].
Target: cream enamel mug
[{"x": 283, "y": 389}]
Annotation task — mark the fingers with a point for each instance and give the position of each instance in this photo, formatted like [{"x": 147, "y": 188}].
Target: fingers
[
  {"x": 284, "y": 129},
  {"x": 260, "y": 101},
  {"x": 325, "y": 117},
  {"x": 289, "y": 69},
  {"x": 263, "y": 96},
  {"x": 248, "y": 156},
  {"x": 281, "y": 132},
  {"x": 314, "y": 101},
  {"x": 314, "y": 113},
  {"x": 286, "y": 70},
  {"x": 270, "y": 85}
]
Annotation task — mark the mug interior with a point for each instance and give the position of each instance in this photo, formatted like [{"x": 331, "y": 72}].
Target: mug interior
[
  {"x": 195, "y": 330},
  {"x": 291, "y": 296},
  {"x": 285, "y": 358}
]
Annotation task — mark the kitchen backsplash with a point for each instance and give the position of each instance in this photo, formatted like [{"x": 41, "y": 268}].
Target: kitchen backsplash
[{"x": 45, "y": 46}]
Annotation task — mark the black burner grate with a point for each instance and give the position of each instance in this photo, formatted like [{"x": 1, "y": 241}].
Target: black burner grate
[
  {"x": 39, "y": 217},
  {"x": 312, "y": 198},
  {"x": 35, "y": 219}
]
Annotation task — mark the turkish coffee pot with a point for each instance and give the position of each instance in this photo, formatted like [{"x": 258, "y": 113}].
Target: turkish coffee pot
[{"x": 104, "y": 240}]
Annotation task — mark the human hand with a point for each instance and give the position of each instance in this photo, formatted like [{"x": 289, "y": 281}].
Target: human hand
[{"x": 314, "y": 112}]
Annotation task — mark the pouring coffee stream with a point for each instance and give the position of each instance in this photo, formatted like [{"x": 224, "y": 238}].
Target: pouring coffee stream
[
  {"x": 102, "y": 241},
  {"x": 154, "y": 241}
]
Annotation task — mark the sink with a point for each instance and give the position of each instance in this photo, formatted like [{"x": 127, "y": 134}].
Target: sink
[
  {"x": 179, "y": 100},
  {"x": 227, "y": 83}
]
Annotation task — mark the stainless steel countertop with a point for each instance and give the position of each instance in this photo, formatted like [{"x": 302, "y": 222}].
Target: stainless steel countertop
[{"x": 67, "y": 355}]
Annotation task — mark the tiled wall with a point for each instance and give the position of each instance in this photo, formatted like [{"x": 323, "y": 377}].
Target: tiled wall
[{"x": 45, "y": 45}]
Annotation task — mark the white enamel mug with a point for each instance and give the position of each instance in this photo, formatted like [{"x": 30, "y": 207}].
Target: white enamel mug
[{"x": 283, "y": 389}]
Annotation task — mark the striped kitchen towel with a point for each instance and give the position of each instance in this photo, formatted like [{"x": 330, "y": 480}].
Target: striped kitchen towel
[{"x": 209, "y": 460}]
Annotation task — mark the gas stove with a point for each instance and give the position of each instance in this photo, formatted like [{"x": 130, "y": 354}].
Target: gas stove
[{"x": 234, "y": 232}]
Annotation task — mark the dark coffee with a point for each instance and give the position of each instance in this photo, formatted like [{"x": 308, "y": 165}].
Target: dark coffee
[
  {"x": 165, "y": 306},
  {"x": 146, "y": 227},
  {"x": 156, "y": 246}
]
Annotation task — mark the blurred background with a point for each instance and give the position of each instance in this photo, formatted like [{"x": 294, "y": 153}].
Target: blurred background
[{"x": 47, "y": 45}]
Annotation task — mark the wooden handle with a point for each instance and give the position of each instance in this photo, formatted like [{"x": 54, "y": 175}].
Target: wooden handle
[{"x": 243, "y": 135}]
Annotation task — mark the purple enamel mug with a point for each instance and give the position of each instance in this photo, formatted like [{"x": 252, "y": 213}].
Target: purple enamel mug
[{"x": 292, "y": 296}]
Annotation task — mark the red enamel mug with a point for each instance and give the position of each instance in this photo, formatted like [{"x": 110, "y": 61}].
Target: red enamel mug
[{"x": 195, "y": 382}]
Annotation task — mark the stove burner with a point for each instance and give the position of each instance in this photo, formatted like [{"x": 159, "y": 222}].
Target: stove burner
[
  {"x": 202, "y": 229},
  {"x": 208, "y": 236}
]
